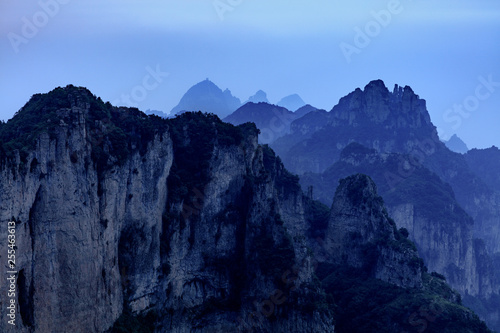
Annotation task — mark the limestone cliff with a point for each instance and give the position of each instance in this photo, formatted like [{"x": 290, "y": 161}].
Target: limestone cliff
[
  {"x": 126, "y": 222},
  {"x": 361, "y": 234},
  {"x": 114, "y": 219}
]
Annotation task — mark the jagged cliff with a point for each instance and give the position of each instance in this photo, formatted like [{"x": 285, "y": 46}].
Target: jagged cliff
[
  {"x": 425, "y": 206},
  {"x": 125, "y": 221},
  {"x": 114, "y": 219},
  {"x": 359, "y": 224},
  {"x": 398, "y": 123}
]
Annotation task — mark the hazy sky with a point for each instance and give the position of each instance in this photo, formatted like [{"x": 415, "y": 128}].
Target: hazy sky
[{"x": 448, "y": 51}]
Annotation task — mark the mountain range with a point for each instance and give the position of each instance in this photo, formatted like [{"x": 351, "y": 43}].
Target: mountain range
[
  {"x": 127, "y": 222},
  {"x": 205, "y": 96}
]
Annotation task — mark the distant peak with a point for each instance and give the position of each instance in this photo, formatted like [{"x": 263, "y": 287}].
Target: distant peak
[
  {"x": 259, "y": 96},
  {"x": 207, "y": 97},
  {"x": 456, "y": 145},
  {"x": 292, "y": 102}
]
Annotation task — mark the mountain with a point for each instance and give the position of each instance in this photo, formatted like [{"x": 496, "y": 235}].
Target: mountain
[
  {"x": 456, "y": 145},
  {"x": 302, "y": 111},
  {"x": 291, "y": 102},
  {"x": 398, "y": 123},
  {"x": 485, "y": 163},
  {"x": 392, "y": 122},
  {"x": 259, "y": 97},
  {"x": 272, "y": 121},
  {"x": 207, "y": 97},
  {"x": 126, "y": 222}
]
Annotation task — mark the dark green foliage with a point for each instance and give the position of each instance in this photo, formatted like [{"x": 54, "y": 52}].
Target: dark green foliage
[
  {"x": 37, "y": 116},
  {"x": 112, "y": 132},
  {"x": 285, "y": 180},
  {"x": 364, "y": 304},
  {"x": 194, "y": 135},
  {"x": 483, "y": 307}
]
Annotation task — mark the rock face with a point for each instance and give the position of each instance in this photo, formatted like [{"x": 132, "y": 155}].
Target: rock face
[
  {"x": 101, "y": 234},
  {"x": 359, "y": 225},
  {"x": 126, "y": 222},
  {"x": 207, "y": 97},
  {"x": 427, "y": 207},
  {"x": 69, "y": 221},
  {"x": 373, "y": 117}
]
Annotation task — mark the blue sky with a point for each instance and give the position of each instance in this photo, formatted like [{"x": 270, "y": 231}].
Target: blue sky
[{"x": 153, "y": 51}]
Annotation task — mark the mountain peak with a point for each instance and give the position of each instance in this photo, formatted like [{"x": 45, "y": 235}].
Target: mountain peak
[
  {"x": 456, "y": 145},
  {"x": 359, "y": 221},
  {"x": 292, "y": 102},
  {"x": 376, "y": 84},
  {"x": 206, "y": 96},
  {"x": 259, "y": 96}
]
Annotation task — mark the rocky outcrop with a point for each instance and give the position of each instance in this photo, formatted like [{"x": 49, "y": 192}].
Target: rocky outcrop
[
  {"x": 101, "y": 235},
  {"x": 70, "y": 220},
  {"x": 125, "y": 221},
  {"x": 373, "y": 117},
  {"x": 426, "y": 206},
  {"x": 361, "y": 234}
]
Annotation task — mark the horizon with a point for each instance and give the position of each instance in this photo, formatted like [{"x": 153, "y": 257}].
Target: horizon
[{"x": 448, "y": 54}]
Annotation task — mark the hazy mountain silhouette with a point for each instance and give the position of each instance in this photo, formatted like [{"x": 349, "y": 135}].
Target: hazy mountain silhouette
[
  {"x": 207, "y": 97},
  {"x": 273, "y": 121},
  {"x": 259, "y": 97},
  {"x": 456, "y": 145},
  {"x": 291, "y": 102}
]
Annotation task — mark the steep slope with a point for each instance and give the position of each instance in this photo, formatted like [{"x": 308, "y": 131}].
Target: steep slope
[
  {"x": 361, "y": 234},
  {"x": 176, "y": 225},
  {"x": 391, "y": 122},
  {"x": 485, "y": 163},
  {"x": 207, "y": 97},
  {"x": 74, "y": 173},
  {"x": 426, "y": 206},
  {"x": 374, "y": 117},
  {"x": 130, "y": 222},
  {"x": 374, "y": 273}
]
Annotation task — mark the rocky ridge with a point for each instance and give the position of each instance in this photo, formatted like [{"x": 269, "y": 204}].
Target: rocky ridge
[{"x": 180, "y": 225}]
